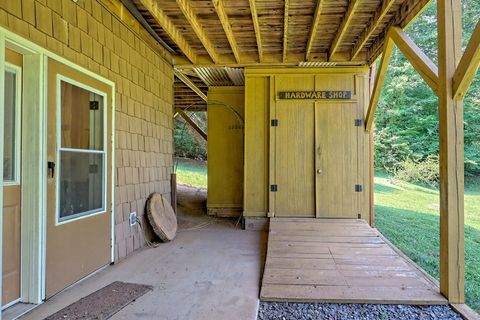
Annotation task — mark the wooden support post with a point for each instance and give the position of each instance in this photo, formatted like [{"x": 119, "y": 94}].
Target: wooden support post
[
  {"x": 173, "y": 187},
  {"x": 372, "y": 156},
  {"x": 192, "y": 124},
  {"x": 452, "y": 260}
]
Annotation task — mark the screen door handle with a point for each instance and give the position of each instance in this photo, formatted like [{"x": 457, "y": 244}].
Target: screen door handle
[{"x": 51, "y": 167}]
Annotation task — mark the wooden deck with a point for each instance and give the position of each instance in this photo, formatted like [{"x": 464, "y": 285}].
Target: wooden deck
[{"x": 342, "y": 261}]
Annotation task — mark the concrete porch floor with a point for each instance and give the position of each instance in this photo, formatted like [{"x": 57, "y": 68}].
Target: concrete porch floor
[{"x": 208, "y": 273}]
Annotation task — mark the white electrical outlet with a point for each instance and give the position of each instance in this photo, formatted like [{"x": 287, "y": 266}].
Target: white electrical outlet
[{"x": 133, "y": 218}]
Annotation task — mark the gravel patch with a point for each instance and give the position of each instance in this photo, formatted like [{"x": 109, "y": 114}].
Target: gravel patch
[{"x": 333, "y": 311}]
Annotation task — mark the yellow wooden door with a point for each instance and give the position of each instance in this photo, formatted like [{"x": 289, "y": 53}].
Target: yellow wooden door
[
  {"x": 79, "y": 177},
  {"x": 336, "y": 160},
  {"x": 295, "y": 170},
  {"x": 12, "y": 178}
]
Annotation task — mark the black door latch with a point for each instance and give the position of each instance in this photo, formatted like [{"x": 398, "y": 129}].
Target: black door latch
[{"x": 51, "y": 167}]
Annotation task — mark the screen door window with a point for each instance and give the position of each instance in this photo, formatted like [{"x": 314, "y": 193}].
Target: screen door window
[
  {"x": 10, "y": 127},
  {"x": 81, "y": 152}
]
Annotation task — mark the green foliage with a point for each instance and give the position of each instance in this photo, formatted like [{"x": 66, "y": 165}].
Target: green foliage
[
  {"x": 188, "y": 143},
  {"x": 424, "y": 171},
  {"x": 406, "y": 124}
]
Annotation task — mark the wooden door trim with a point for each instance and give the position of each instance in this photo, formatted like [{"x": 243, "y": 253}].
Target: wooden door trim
[
  {"x": 273, "y": 149},
  {"x": 2, "y": 108}
]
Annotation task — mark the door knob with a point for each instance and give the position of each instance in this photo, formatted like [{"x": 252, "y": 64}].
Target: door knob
[{"x": 319, "y": 171}]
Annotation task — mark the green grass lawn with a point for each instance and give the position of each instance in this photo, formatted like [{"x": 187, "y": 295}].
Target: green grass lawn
[
  {"x": 191, "y": 172},
  {"x": 408, "y": 214}
]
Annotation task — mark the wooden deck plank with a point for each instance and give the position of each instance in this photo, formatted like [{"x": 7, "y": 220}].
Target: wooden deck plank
[
  {"x": 339, "y": 260},
  {"x": 324, "y": 239},
  {"x": 330, "y": 264},
  {"x": 336, "y": 294}
]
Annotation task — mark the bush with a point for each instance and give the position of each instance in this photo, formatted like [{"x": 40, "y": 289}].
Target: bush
[{"x": 424, "y": 171}]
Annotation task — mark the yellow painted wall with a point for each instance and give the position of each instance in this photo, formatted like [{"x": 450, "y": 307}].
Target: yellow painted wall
[
  {"x": 225, "y": 150},
  {"x": 288, "y": 155}
]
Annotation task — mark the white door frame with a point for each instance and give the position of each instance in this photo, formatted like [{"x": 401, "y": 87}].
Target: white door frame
[
  {"x": 2, "y": 108},
  {"x": 34, "y": 170}
]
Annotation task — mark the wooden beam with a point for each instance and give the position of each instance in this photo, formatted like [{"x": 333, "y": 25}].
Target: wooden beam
[
  {"x": 379, "y": 80},
  {"x": 285, "y": 31},
  {"x": 450, "y": 114},
  {"x": 378, "y": 17},
  {"x": 352, "y": 7},
  {"x": 192, "y": 124},
  {"x": 468, "y": 66},
  {"x": 191, "y": 17},
  {"x": 222, "y": 15},
  {"x": 314, "y": 29},
  {"x": 424, "y": 66},
  {"x": 190, "y": 84},
  {"x": 256, "y": 27},
  {"x": 371, "y": 147},
  {"x": 170, "y": 29}
]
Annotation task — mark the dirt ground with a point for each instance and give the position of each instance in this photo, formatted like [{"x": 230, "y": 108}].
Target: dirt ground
[{"x": 192, "y": 210}]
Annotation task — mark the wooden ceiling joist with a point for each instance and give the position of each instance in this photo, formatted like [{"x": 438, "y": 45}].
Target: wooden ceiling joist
[
  {"x": 190, "y": 84},
  {"x": 222, "y": 15},
  {"x": 170, "y": 29},
  {"x": 380, "y": 14},
  {"x": 314, "y": 28},
  {"x": 468, "y": 66},
  {"x": 256, "y": 28},
  {"x": 192, "y": 19},
  {"x": 285, "y": 31},
  {"x": 352, "y": 7},
  {"x": 268, "y": 33}
]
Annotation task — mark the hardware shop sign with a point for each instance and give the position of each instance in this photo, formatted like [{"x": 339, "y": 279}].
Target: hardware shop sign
[{"x": 314, "y": 95}]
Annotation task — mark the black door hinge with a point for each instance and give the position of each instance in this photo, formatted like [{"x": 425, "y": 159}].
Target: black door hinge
[
  {"x": 359, "y": 216},
  {"x": 274, "y": 122},
  {"x": 358, "y": 122},
  {"x": 358, "y": 188},
  {"x": 273, "y": 188}
]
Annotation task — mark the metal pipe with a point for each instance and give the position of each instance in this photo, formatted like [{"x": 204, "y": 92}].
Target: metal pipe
[{"x": 134, "y": 11}]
